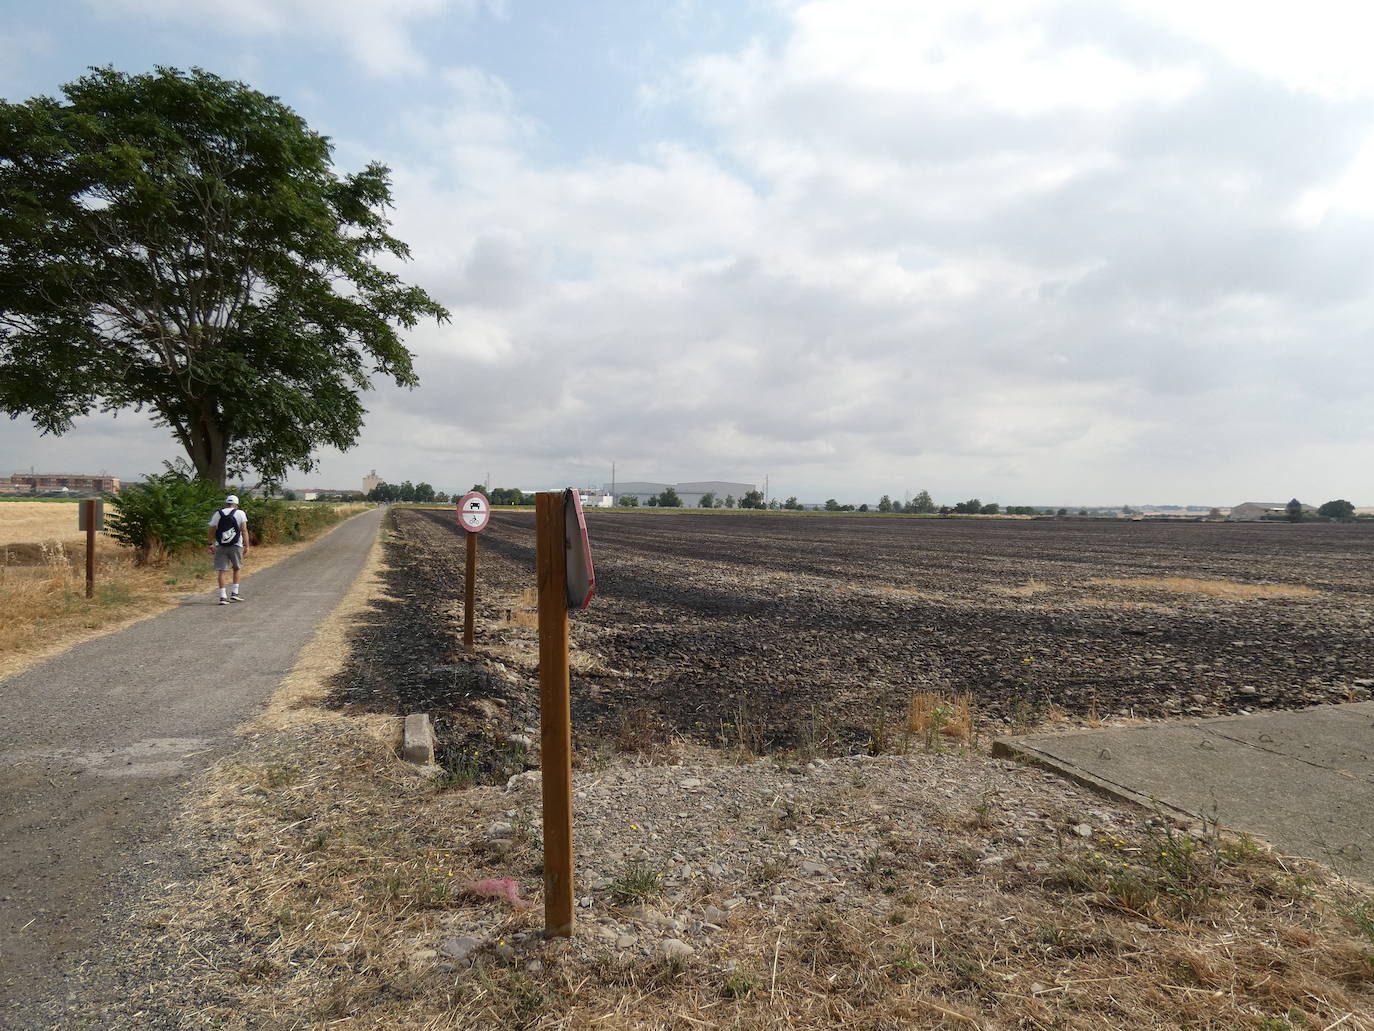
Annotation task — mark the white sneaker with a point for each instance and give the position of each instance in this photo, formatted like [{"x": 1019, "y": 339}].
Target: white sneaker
[
  {"x": 236, "y": 597},
  {"x": 224, "y": 601}
]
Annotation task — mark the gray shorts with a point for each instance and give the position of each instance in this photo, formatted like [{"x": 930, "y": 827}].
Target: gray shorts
[{"x": 227, "y": 557}]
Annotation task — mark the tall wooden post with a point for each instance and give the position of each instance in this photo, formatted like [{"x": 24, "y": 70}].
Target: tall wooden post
[
  {"x": 470, "y": 592},
  {"x": 90, "y": 546},
  {"x": 555, "y": 713}
]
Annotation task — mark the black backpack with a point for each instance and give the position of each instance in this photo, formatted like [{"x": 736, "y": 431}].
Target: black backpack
[{"x": 228, "y": 530}]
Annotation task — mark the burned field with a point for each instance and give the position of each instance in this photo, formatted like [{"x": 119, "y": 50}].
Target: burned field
[{"x": 772, "y": 630}]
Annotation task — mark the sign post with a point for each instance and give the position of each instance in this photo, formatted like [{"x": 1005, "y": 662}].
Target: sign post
[
  {"x": 474, "y": 512},
  {"x": 563, "y": 564},
  {"x": 91, "y": 517}
]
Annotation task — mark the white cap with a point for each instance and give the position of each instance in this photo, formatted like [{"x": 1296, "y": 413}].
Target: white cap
[{"x": 232, "y": 499}]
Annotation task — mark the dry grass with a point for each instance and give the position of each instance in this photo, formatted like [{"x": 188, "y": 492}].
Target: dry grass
[
  {"x": 1029, "y": 589},
  {"x": 523, "y": 611},
  {"x": 931, "y": 714},
  {"x": 1226, "y": 589}
]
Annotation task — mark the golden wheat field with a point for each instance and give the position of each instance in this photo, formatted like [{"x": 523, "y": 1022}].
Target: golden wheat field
[{"x": 32, "y": 522}]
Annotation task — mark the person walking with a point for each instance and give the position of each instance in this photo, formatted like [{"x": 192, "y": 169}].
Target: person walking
[{"x": 229, "y": 544}]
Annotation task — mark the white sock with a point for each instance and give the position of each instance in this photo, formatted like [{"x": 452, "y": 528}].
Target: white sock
[
  {"x": 234, "y": 590},
  {"x": 221, "y": 592}
]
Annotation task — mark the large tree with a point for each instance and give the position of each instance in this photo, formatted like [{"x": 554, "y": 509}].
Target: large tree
[{"x": 180, "y": 243}]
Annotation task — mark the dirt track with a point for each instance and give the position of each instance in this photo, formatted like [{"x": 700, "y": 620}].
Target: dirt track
[{"x": 829, "y": 624}]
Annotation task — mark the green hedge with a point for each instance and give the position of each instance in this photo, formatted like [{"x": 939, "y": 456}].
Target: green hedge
[
  {"x": 169, "y": 514},
  {"x": 282, "y": 522}
]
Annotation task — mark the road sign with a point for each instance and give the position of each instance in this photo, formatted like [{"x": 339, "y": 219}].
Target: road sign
[
  {"x": 581, "y": 578},
  {"x": 474, "y": 511}
]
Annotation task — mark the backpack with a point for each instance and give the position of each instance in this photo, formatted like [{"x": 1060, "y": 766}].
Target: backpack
[{"x": 227, "y": 532}]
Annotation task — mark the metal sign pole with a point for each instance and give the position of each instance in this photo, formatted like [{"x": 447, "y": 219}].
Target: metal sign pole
[
  {"x": 470, "y": 592},
  {"x": 555, "y": 713}
]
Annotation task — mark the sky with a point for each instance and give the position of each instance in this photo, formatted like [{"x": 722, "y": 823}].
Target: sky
[{"x": 1040, "y": 253}]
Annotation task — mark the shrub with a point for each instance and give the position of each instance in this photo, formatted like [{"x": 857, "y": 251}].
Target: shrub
[{"x": 164, "y": 515}]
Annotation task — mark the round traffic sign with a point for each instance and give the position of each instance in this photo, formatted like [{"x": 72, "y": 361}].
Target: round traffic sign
[{"x": 474, "y": 511}]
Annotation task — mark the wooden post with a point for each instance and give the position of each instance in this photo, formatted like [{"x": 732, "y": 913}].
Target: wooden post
[
  {"x": 90, "y": 546},
  {"x": 470, "y": 590},
  {"x": 555, "y": 713}
]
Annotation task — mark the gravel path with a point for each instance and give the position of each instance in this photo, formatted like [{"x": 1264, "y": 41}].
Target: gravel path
[{"x": 97, "y": 747}]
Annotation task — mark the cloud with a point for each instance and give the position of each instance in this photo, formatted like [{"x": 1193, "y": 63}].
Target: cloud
[{"x": 377, "y": 34}]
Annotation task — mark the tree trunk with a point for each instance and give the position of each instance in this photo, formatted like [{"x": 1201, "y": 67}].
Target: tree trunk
[{"x": 209, "y": 447}]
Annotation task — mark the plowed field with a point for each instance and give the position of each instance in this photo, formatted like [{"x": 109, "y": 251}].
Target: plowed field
[{"x": 808, "y": 625}]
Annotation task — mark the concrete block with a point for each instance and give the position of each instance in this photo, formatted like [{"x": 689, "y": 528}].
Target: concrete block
[{"x": 418, "y": 744}]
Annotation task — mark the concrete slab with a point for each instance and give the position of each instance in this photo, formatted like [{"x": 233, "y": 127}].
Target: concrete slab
[{"x": 1299, "y": 780}]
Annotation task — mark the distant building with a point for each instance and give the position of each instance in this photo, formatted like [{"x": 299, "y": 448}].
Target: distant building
[
  {"x": 1254, "y": 510},
  {"x": 689, "y": 493},
  {"x": 371, "y": 482},
  {"x": 37, "y": 483}
]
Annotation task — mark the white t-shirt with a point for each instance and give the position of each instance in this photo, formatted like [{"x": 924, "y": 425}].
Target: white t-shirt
[{"x": 239, "y": 518}]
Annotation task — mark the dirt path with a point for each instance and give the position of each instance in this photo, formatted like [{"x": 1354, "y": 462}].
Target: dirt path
[{"x": 97, "y": 746}]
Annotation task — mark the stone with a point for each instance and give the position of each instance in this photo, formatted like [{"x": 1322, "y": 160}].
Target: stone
[
  {"x": 625, "y": 941},
  {"x": 813, "y": 869},
  {"x": 1083, "y": 830},
  {"x": 418, "y": 743},
  {"x": 689, "y": 783},
  {"x": 674, "y": 948},
  {"x": 1248, "y": 689},
  {"x": 506, "y": 952},
  {"x": 460, "y": 949},
  {"x": 519, "y": 740},
  {"x": 530, "y": 780},
  {"x": 534, "y": 966},
  {"x": 714, "y": 915},
  {"x": 1199, "y": 698},
  {"x": 500, "y": 830}
]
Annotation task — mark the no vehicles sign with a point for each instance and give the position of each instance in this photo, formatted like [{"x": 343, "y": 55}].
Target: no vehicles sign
[{"x": 474, "y": 511}]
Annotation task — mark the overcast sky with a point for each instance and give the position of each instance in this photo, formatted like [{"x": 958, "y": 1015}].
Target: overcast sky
[{"x": 1039, "y": 253}]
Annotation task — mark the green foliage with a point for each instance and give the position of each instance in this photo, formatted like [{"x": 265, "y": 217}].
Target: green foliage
[
  {"x": 1340, "y": 509},
  {"x": 884, "y": 504},
  {"x": 279, "y": 522},
  {"x": 636, "y": 884},
  {"x": 179, "y": 242},
  {"x": 922, "y": 502},
  {"x": 970, "y": 507},
  {"x": 729, "y": 501},
  {"x": 991, "y": 508},
  {"x": 506, "y": 496},
  {"x": 831, "y": 505},
  {"x": 629, "y": 501},
  {"x": 751, "y": 499},
  {"x": 1294, "y": 510},
  {"x": 863, "y": 507},
  {"x": 792, "y": 504},
  {"x": 424, "y": 493},
  {"x": 168, "y": 513},
  {"x": 708, "y": 500},
  {"x": 669, "y": 499}
]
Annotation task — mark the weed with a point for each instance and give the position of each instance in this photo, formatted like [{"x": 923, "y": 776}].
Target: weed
[
  {"x": 770, "y": 870},
  {"x": 1360, "y": 914},
  {"x": 737, "y": 986},
  {"x": 637, "y": 884},
  {"x": 751, "y": 736}
]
